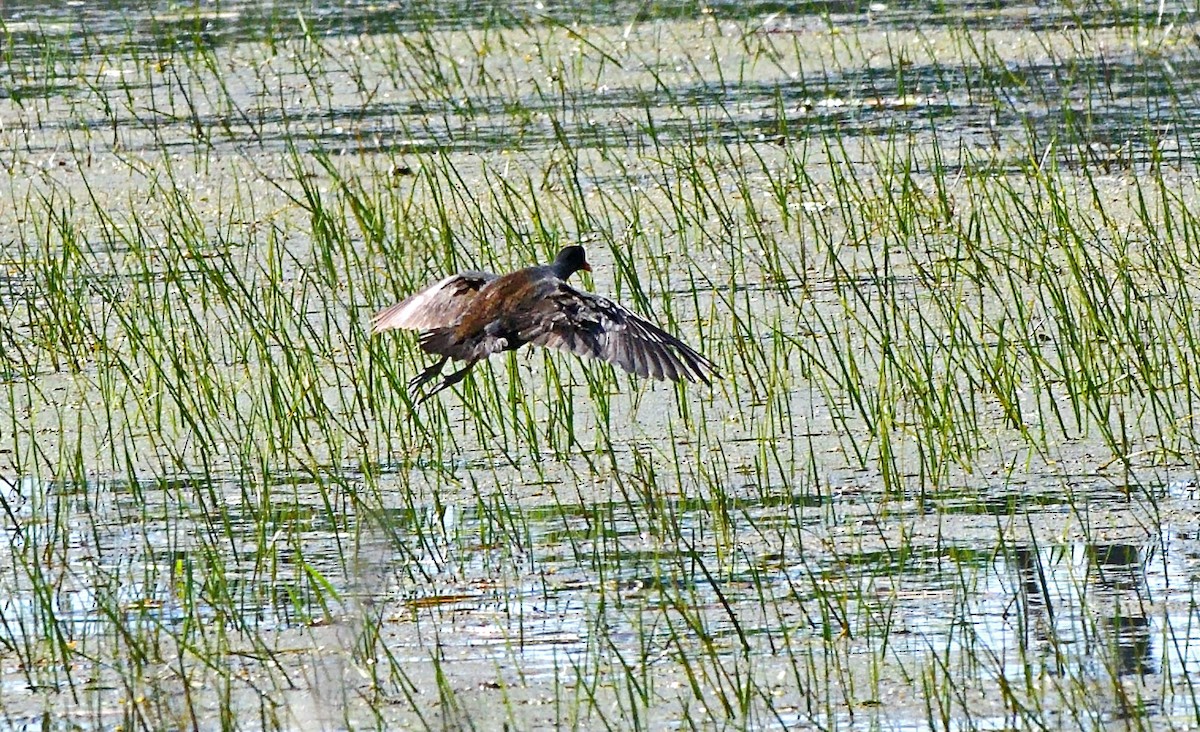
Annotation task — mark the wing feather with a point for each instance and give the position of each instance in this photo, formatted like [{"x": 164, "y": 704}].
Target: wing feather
[
  {"x": 437, "y": 306},
  {"x": 592, "y": 326}
]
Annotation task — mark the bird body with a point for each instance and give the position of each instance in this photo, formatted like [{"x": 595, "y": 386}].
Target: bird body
[{"x": 472, "y": 315}]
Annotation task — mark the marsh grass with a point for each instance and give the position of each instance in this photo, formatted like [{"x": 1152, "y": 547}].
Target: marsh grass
[{"x": 945, "y": 275}]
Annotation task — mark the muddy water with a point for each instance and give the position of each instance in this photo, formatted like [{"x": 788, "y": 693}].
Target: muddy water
[{"x": 750, "y": 574}]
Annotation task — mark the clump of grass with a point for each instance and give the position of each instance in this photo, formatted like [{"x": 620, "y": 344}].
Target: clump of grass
[{"x": 933, "y": 284}]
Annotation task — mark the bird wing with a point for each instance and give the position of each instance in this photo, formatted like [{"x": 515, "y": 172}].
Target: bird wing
[
  {"x": 437, "y": 306},
  {"x": 592, "y": 326}
]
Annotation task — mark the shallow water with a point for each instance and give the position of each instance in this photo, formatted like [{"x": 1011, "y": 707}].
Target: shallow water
[
  {"x": 528, "y": 601},
  {"x": 234, "y": 21},
  {"x": 216, "y": 503},
  {"x": 1116, "y": 108}
]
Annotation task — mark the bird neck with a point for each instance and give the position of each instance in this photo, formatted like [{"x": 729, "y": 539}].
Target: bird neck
[{"x": 563, "y": 270}]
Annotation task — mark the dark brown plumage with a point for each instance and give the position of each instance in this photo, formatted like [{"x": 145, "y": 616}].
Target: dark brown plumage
[{"x": 472, "y": 315}]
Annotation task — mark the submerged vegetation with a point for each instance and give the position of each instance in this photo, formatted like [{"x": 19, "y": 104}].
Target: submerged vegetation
[{"x": 945, "y": 262}]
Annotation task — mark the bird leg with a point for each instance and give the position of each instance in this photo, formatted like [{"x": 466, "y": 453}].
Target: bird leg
[
  {"x": 447, "y": 382},
  {"x": 433, "y": 370}
]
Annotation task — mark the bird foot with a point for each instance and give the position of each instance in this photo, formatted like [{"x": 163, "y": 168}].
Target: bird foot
[
  {"x": 433, "y": 370},
  {"x": 447, "y": 382}
]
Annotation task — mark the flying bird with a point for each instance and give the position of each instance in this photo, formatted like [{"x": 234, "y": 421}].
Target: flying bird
[{"x": 471, "y": 315}]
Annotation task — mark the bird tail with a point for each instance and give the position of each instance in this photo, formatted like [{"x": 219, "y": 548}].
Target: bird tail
[
  {"x": 442, "y": 342},
  {"x": 449, "y": 342}
]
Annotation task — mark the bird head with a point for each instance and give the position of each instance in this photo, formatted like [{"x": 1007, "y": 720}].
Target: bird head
[{"x": 569, "y": 261}]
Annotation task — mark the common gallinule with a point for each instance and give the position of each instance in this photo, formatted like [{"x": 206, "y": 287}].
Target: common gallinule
[{"x": 472, "y": 315}]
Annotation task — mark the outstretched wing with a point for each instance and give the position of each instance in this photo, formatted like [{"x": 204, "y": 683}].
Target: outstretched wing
[
  {"x": 592, "y": 326},
  {"x": 437, "y": 306}
]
